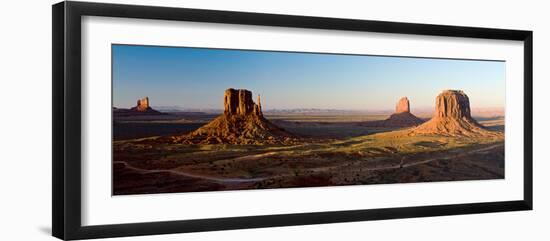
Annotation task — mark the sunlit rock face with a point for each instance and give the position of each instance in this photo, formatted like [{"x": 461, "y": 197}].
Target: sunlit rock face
[
  {"x": 242, "y": 122},
  {"x": 142, "y": 105},
  {"x": 239, "y": 102},
  {"x": 402, "y": 106},
  {"x": 452, "y": 117}
]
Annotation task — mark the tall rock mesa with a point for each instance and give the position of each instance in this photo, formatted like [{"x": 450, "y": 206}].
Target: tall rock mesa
[
  {"x": 143, "y": 108},
  {"x": 143, "y": 104},
  {"x": 239, "y": 102},
  {"x": 402, "y": 106},
  {"x": 453, "y": 104},
  {"x": 452, "y": 117},
  {"x": 242, "y": 122}
]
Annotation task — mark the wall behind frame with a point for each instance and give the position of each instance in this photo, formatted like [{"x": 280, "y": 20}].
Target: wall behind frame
[{"x": 25, "y": 125}]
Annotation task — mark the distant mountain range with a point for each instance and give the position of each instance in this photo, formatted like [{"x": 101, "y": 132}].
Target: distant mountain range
[
  {"x": 276, "y": 111},
  {"x": 423, "y": 112}
]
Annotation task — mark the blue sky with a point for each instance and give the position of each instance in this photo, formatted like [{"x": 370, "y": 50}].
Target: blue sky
[{"x": 197, "y": 77}]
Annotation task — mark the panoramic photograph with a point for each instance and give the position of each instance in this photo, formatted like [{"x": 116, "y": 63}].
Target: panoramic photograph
[{"x": 188, "y": 119}]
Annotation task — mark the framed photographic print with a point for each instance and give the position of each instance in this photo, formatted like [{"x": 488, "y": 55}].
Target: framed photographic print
[{"x": 170, "y": 120}]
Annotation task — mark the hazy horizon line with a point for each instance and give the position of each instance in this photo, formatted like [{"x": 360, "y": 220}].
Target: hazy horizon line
[{"x": 422, "y": 108}]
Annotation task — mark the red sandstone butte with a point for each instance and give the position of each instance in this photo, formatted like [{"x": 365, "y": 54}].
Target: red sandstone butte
[
  {"x": 242, "y": 122},
  {"x": 452, "y": 117}
]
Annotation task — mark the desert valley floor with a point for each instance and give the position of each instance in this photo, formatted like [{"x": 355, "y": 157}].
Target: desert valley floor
[{"x": 332, "y": 149}]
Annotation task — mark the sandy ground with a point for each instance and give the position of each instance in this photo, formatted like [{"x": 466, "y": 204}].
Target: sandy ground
[{"x": 341, "y": 152}]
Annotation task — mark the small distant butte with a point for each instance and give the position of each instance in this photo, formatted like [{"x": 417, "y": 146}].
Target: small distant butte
[
  {"x": 401, "y": 118},
  {"x": 142, "y": 108}
]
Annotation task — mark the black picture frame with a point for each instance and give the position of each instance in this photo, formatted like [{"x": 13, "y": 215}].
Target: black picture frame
[{"x": 66, "y": 75}]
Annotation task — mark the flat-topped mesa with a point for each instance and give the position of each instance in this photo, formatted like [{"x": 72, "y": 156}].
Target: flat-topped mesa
[
  {"x": 143, "y": 105},
  {"x": 142, "y": 108},
  {"x": 239, "y": 102},
  {"x": 242, "y": 122},
  {"x": 402, "y": 106},
  {"x": 452, "y": 104},
  {"x": 452, "y": 117}
]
